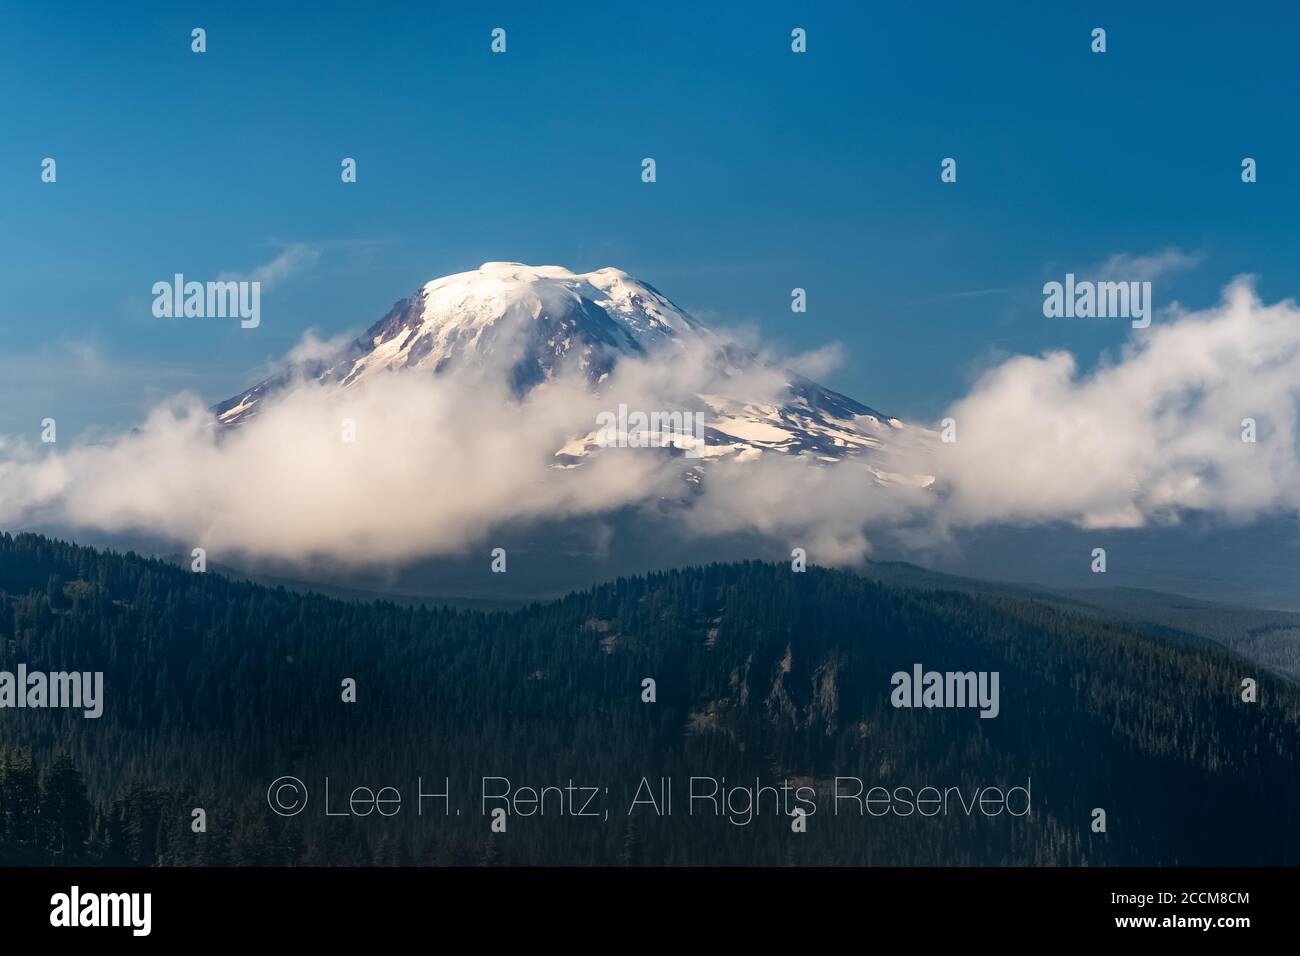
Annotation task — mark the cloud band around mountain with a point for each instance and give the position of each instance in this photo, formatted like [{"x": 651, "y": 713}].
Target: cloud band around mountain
[{"x": 439, "y": 463}]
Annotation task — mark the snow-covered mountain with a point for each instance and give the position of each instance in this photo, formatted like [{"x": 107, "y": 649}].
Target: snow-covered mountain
[{"x": 529, "y": 323}]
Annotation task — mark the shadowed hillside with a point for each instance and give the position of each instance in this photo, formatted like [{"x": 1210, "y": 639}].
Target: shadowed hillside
[{"x": 214, "y": 688}]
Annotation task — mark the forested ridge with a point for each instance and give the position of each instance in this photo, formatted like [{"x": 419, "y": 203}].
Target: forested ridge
[{"x": 215, "y": 687}]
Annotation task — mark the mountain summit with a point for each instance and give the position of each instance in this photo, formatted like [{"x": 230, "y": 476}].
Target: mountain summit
[{"x": 529, "y": 323}]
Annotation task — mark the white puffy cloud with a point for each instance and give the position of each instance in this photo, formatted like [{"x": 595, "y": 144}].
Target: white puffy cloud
[{"x": 1143, "y": 438}]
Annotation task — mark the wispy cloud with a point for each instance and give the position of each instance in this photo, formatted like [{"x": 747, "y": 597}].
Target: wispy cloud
[
  {"x": 292, "y": 260},
  {"x": 1124, "y": 267}
]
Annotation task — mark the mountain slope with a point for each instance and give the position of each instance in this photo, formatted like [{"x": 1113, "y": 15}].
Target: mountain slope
[
  {"x": 214, "y": 688},
  {"x": 527, "y": 324}
]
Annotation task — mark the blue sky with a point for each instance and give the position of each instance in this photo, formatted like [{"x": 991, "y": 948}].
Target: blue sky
[{"x": 775, "y": 170}]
